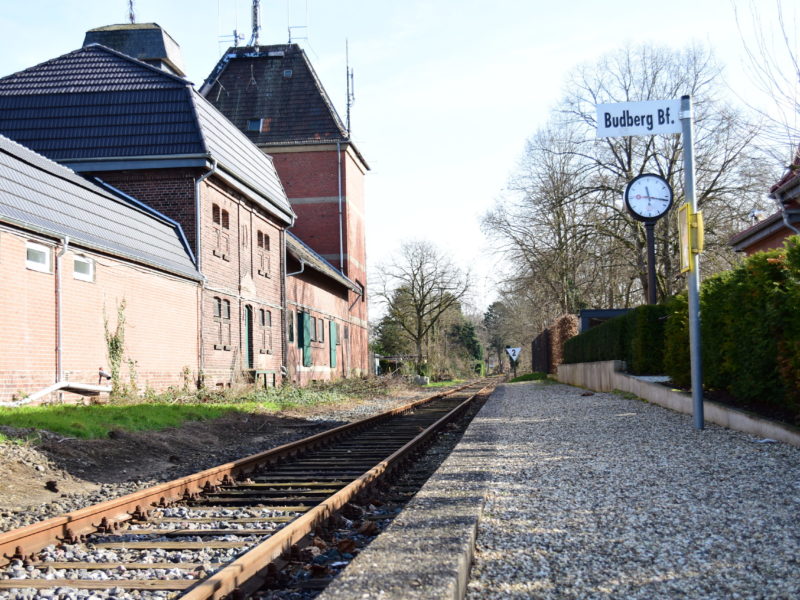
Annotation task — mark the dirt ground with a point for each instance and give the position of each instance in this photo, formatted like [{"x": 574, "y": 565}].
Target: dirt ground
[{"x": 35, "y": 474}]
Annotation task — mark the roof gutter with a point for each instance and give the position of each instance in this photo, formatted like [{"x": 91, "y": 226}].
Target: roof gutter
[{"x": 778, "y": 197}]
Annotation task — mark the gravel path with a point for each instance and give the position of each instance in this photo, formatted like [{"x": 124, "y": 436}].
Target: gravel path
[{"x": 606, "y": 497}]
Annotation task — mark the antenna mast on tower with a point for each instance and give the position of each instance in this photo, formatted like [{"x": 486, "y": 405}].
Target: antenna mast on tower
[
  {"x": 256, "y": 23},
  {"x": 351, "y": 97},
  {"x": 131, "y": 13}
]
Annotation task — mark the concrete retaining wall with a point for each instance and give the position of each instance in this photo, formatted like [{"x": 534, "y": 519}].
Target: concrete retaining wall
[{"x": 607, "y": 376}]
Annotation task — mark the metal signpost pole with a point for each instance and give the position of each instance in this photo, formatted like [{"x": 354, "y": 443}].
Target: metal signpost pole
[{"x": 694, "y": 273}]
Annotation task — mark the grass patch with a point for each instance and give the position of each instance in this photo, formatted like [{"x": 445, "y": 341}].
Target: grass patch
[
  {"x": 535, "y": 376},
  {"x": 96, "y": 421},
  {"x": 174, "y": 407},
  {"x": 438, "y": 384}
]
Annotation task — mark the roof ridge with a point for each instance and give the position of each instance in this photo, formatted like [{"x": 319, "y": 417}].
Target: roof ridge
[
  {"x": 92, "y": 49},
  {"x": 138, "y": 62},
  {"x": 324, "y": 94}
]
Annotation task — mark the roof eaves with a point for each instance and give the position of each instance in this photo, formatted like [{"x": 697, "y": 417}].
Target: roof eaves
[
  {"x": 230, "y": 175},
  {"x": 763, "y": 229},
  {"x": 322, "y": 266}
]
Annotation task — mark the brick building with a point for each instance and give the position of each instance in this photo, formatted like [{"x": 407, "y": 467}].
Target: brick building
[
  {"x": 71, "y": 252},
  {"x": 141, "y": 129},
  {"x": 147, "y": 132},
  {"x": 770, "y": 232},
  {"x": 273, "y": 95}
]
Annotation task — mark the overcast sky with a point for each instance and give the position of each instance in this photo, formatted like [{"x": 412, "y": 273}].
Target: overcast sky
[{"x": 446, "y": 91}]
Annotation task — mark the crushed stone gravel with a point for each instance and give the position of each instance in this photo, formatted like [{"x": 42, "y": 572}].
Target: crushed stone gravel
[
  {"x": 607, "y": 497},
  {"x": 66, "y": 502}
]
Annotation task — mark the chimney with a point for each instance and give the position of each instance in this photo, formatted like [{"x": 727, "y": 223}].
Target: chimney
[{"x": 144, "y": 41}]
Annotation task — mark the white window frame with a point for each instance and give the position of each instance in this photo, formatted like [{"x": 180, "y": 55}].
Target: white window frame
[
  {"x": 35, "y": 265},
  {"x": 83, "y": 276}
]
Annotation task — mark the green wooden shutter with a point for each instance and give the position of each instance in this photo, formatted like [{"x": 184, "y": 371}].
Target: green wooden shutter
[
  {"x": 307, "y": 340},
  {"x": 332, "y": 341}
]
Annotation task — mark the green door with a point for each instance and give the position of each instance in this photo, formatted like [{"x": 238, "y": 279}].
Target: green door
[{"x": 248, "y": 337}]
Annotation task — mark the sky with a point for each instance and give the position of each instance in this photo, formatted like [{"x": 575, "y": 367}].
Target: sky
[{"x": 446, "y": 91}]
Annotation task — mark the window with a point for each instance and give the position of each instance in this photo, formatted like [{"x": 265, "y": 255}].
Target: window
[
  {"x": 321, "y": 330},
  {"x": 222, "y": 323},
  {"x": 83, "y": 268},
  {"x": 244, "y": 236},
  {"x": 254, "y": 125},
  {"x": 37, "y": 257},
  {"x": 291, "y": 326},
  {"x": 263, "y": 259},
  {"x": 265, "y": 319},
  {"x": 222, "y": 240},
  {"x": 313, "y": 328}
]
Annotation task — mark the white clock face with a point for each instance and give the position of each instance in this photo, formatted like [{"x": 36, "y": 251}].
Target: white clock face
[{"x": 648, "y": 196}]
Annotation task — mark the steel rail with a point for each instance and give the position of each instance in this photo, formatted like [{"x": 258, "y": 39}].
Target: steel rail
[
  {"x": 107, "y": 516},
  {"x": 245, "y": 573}
]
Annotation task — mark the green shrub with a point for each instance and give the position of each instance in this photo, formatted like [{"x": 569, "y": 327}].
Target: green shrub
[
  {"x": 646, "y": 332},
  {"x": 636, "y": 337},
  {"x": 535, "y": 376},
  {"x": 676, "y": 341}
]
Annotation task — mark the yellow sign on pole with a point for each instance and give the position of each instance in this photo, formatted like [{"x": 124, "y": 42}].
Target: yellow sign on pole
[{"x": 690, "y": 233}]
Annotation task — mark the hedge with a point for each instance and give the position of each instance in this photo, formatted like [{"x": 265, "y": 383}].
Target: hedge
[
  {"x": 750, "y": 333},
  {"x": 636, "y": 337}
]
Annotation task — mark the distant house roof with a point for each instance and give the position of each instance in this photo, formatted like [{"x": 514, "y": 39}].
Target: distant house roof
[
  {"x": 300, "y": 251},
  {"x": 773, "y": 229},
  {"x": 273, "y": 94},
  {"x": 95, "y": 109},
  {"x": 39, "y": 195}
]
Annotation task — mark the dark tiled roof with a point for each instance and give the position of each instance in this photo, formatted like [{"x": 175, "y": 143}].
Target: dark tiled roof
[
  {"x": 277, "y": 85},
  {"x": 40, "y": 195},
  {"x": 94, "y": 68},
  {"x": 96, "y": 104},
  {"x": 305, "y": 254}
]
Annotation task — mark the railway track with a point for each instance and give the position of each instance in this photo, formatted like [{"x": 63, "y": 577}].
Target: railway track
[{"x": 221, "y": 532}]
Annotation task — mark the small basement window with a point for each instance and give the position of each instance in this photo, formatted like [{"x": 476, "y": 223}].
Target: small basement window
[
  {"x": 83, "y": 268},
  {"x": 37, "y": 257}
]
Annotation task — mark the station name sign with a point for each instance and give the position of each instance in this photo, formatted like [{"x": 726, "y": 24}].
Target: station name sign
[{"x": 623, "y": 119}]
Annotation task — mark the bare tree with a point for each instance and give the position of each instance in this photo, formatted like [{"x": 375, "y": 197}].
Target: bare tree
[
  {"x": 773, "y": 64},
  {"x": 562, "y": 226},
  {"x": 419, "y": 287}
]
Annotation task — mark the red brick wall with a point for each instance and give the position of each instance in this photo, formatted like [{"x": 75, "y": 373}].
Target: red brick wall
[
  {"x": 314, "y": 174},
  {"x": 243, "y": 274},
  {"x": 169, "y": 191},
  {"x": 314, "y": 294},
  {"x": 160, "y": 334}
]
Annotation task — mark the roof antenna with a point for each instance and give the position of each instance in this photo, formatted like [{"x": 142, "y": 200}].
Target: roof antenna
[
  {"x": 131, "y": 13},
  {"x": 256, "y": 23},
  {"x": 351, "y": 96}
]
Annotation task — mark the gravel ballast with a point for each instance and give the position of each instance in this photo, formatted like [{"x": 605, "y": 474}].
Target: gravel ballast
[
  {"x": 591, "y": 495},
  {"x": 599, "y": 496}
]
